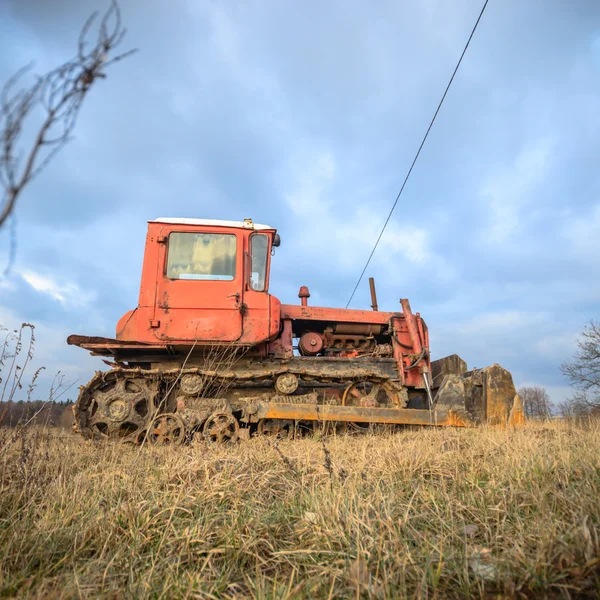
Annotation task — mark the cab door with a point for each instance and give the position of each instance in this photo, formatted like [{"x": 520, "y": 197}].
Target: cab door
[
  {"x": 261, "y": 310},
  {"x": 200, "y": 287}
]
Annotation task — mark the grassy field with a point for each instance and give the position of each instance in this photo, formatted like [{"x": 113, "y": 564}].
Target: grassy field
[{"x": 418, "y": 513}]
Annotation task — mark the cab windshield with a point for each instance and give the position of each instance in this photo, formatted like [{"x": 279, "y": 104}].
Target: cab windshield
[{"x": 205, "y": 256}]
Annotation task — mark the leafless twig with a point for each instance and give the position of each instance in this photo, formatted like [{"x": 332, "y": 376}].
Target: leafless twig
[
  {"x": 58, "y": 95},
  {"x": 583, "y": 373},
  {"x": 9, "y": 355}
]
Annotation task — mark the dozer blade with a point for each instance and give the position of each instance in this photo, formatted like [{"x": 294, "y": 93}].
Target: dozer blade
[{"x": 483, "y": 396}]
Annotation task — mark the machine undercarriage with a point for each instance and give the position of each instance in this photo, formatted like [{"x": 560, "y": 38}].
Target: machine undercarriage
[{"x": 226, "y": 400}]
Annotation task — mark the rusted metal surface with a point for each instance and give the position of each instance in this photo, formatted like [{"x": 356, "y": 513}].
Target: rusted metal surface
[
  {"x": 328, "y": 369},
  {"x": 202, "y": 310},
  {"x": 221, "y": 427},
  {"x": 449, "y": 365},
  {"x": 191, "y": 384},
  {"x": 366, "y": 393},
  {"x": 166, "y": 430},
  {"x": 177, "y": 313},
  {"x": 373, "y": 294},
  {"x": 413, "y": 330},
  {"x": 311, "y": 343},
  {"x": 354, "y": 414},
  {"x": 115, "y": 406},
  {"x": 304, "y": 295},
  {"x": 286, "y": 383},
  {"x": 488, "y": 395},
  {"x": 277, "y": 428},
  {"x": 121, "y": 404},
  {"x": 334, "y": 315},
  {"x": 94, "y": 342}
]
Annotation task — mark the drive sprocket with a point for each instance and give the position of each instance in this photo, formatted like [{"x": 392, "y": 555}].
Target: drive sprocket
[{"x": 116, "y": 405}]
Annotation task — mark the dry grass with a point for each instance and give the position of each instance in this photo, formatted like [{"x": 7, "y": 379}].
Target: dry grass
[{"x": 419, "y": 513}]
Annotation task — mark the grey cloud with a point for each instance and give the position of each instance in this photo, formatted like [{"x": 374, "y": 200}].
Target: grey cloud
[{"x": 223, "y": 109}]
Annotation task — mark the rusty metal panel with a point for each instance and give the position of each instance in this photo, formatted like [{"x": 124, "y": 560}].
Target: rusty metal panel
[
  {"x": 334, "y": 315},
  {"x": 449, "y": 365},
  {"x": 499, "y": 392},
  {"x": 488, "y": 395}
]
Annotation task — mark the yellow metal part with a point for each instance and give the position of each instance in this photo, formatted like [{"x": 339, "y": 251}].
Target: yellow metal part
[{"x": 356, "y": 414}]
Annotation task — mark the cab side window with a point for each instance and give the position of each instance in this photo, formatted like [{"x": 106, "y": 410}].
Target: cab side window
[{"x": 259, "y": 247}]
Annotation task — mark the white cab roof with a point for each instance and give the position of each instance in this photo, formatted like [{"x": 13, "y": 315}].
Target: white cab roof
[{"x": 246, "y": 224}]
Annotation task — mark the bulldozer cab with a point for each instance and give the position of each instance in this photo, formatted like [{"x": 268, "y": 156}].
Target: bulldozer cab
[{"x": 212, "y": 280}]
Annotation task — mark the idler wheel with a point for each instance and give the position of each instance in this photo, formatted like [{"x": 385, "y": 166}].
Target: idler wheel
[
  {"x": 286, "y": 383},
  {"x": 221, "y": 427},
  {"x": 191, "y": 384},
  {"x": 166, "y": 430}
]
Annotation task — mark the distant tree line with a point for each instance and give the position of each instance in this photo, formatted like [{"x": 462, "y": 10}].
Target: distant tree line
[
  {"x": 39, "y": 412},
  {"x": 582, "y": 373},
  {"x": 536, "y": 402}
]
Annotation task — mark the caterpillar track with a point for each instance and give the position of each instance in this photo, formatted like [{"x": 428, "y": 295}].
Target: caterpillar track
[{"x": 172, "y": 406}]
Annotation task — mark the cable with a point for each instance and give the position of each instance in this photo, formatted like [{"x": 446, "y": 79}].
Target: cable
[{"x": 418, "y": 152}]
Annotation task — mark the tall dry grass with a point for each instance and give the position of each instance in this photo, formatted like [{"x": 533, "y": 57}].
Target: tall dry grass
[{"x": 427, "y": 513}]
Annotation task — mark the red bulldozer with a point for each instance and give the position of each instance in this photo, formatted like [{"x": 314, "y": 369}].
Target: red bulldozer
[{"x": 208, "y": 352}]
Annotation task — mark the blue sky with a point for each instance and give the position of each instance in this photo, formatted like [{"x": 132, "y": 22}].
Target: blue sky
[{"x": 306, "y": 116}]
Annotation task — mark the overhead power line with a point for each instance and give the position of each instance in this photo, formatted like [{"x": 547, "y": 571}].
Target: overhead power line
[{"x": 418, "y": 152}]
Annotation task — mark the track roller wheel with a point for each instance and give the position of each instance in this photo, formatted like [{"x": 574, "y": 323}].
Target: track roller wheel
[
  {"x": 166, "y": 430},
  {"x": 191, "y": 384},
  {"x": 277, "y": 428},
  {"x": 221, "y": 427},
  {"x": 286, "y": 383}
]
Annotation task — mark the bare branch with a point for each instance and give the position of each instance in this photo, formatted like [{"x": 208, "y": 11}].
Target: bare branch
[
  {"x": 59, "y": 94},
  {"x": 583, "y": 372}
]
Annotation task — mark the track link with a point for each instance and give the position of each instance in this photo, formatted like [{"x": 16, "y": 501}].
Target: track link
[{"x": 124, "y": 403}]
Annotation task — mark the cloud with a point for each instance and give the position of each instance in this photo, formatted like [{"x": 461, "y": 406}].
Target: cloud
[
  {"x": 317, "y": 199},
  {"x": 556, "y": 347},
  {"x": 6, "y": 284},
  {"x": 510, "y": 191},
  {"x": 313, "y": 178},
  {"x": 408, "y": 244},
  {"x": 67, "y": 294},
  {"x": 582, "y": 233}
]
